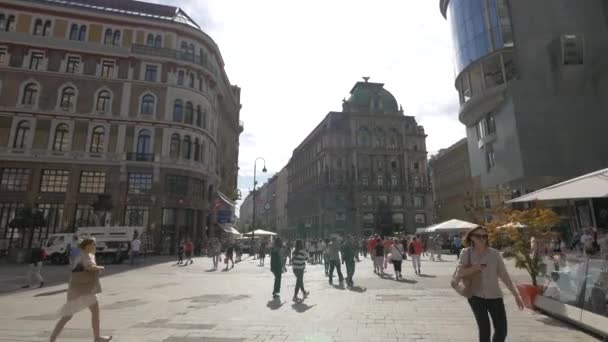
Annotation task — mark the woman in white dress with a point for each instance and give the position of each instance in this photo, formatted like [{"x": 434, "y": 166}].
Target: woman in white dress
[{"x": 82, "y": 291}]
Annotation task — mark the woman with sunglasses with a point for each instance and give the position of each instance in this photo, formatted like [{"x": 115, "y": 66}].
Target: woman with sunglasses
[{"x": 487, "y": 266}]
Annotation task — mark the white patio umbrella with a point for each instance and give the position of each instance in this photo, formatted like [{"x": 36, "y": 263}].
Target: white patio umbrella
[
  {"x": 512, "y": 225},
  {"x": 451, "y": 226}
]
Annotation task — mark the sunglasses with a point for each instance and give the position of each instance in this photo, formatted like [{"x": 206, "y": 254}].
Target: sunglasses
[{"x": 481, "y": 236}]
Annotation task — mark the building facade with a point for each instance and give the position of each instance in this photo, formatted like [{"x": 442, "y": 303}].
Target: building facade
[
  {"x": 126, "y": 102},
  {"x": 361, "y": 170},
  {"x": 531, "y": 77}
]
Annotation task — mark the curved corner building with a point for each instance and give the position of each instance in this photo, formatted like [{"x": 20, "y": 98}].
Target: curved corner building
[
  {"x": 120, "y": 103},
  {"x": 532, "y": 81}
]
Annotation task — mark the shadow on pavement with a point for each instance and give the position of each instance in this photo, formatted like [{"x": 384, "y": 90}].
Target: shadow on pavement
[
  {"x": 301, "y": 307},
  {"x": 338, "y": 287},
  {"x": 358, "y": 289},
  {"x": 407, "y": 281},
  {"x": 52, "y": 293},
  {"x": 211, "y": 270},
  {"x": 275, "y": 304},
  {"x": 427, "y": 275}
]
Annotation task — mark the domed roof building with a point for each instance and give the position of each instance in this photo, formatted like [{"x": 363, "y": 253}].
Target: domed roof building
[{"x": 372, "y": 97}]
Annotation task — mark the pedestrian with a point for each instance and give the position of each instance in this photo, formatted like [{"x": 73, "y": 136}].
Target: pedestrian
[
  {"x": 326, "y": 257},
  {"x": 438, "y": 246},
  {"x": 313, "y": 251},
  {"x": 238, "y": 250},
  {"x": 486, "y": 265},
  {"x": 321, "y": 246},
  {"x": 216, "y": 252},
  {"x": 289, "y": 251},
  {"x": 74, "y": 250},
  {"x": 397, "y": 256},
  {"x": 349, "y": 252},
  {"x": 334, "y": 261},
  {"x": 276, "y": 266},
  {"x": 83, "y": 288},
  {"x": 371, "y": 248},
  {"x": 134, "y": 252},
  {"x": 378, "y": 256},
  {"x": 298, "y": 265},
  {"x": 458, "y": 245},
  {"x": 188, "y": 249},
  {"x": 414, "y": 249},
  {"x": 284, "y": 254},
  {"x": 229, "y": 254},
  {"x": 180, "y": 253},
  {"x": 262, "y": 252},
  {"x": 363, "y": 244},
  {"x": 34, "y": 270}
]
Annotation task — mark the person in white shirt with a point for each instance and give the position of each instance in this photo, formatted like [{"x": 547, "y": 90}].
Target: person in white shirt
[{"x": 135, "y": 248}]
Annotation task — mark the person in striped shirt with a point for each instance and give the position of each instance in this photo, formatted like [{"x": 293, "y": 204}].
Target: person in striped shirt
[{"x": 298, "y": 265}]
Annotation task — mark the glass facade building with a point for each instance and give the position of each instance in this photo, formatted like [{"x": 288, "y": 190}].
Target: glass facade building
[{"x": 479, "y": 27}]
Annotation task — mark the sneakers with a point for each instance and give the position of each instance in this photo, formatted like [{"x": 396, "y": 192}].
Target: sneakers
[
  {"x": 103, "y": 339},
  {"x": 275, "y": 295},
  {"x": 306, "y": 293},
  {"x": 296, "y": 299}
]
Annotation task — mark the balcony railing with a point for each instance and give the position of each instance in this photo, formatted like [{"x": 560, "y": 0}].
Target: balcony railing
[
  {"x": 174, "y": 54},
  {"x": 143, "y": 157}
]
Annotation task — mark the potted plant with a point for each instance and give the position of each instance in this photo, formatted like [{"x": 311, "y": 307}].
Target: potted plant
[{"x": 523, "y": 231}]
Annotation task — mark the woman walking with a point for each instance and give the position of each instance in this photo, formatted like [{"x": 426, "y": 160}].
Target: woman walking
[
  {"x": 397, "y": 256},
  {"x": 276, "y": 266},
  {"x": 298, "y": 265},
  {"x": 83, "y": 288},
  {"x": 379, "y": 257},
  {"x": 415, "y": 249},
  {"x": 486, "y": 266}
]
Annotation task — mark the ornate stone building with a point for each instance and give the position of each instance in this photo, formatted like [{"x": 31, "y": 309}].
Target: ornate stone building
[
  {"x": 361, "y": 170},
  {"x": 125, "y": 101}
]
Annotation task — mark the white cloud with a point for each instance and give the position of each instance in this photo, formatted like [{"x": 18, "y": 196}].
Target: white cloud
[{"x": 296, "y": 60}]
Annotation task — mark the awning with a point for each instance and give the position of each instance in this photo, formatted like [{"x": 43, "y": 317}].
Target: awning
[
  {"x": 451, "y": 226},
  {"x": 225, "y": 199},
  {"x": 260, "y": 232},
  {"x": 230, "y": 229},
  {"x": 591, "y": 185}
]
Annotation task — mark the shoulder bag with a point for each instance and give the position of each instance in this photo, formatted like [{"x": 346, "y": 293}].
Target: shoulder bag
[{"x": 463, "y": 285}]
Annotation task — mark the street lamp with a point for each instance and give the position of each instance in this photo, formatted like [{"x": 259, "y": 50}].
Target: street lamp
[{"x": 255, "y": 183}]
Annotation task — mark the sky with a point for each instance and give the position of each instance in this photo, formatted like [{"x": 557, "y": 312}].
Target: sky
[{"x": 296, "y": 60}]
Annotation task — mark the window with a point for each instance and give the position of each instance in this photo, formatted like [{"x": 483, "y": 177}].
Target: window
[
  {"x": 416, "y": 181},
  {"x": 486, "y": 126},
  {"x": 382, "y": 199},
  {"x": 136, "y": 216},
  {"x": 107, "y": 38},
  {"x": 189, "y": 113},
  {"x": 490, "y": 157},
  {"x": 151, "y": 73},
  {"x": 92, "y": 182},
  {"x": 23, "y": 128},
  {"x": 103, "y": 101},
  {"x": 420, "y": 219},
  {"x": 177, "y": 111},
  {"x": 177, "y": 184},
  {"x": 380, "y": 181},
  {"x": 418, "y": 201},
  {"x": 143, "y": 141},
  {"x": 15, "y": 179},
  {"x": 573, "y": 49},
  {"x": 199, "y": 116},
  {"x": 147, "y": 105},
  {"x": 180, "y": 77},
  {"x": 61, "y": 139},
  {"x": 205, "y": 119},
  {"x": 3, "y": 55},
  {"x": 30, "y": 94},
  {"x": 68, "y": 98},
  {"x": 197, "y": 149},
  {"x": 140, "y": 183},
  {"x": 38, "y": 27},
  {"x": 150, "y": 40},
  {"x": 73, "y": 65},
  {"x": 191, "y": 82},
  {"x": 367, "y": 200},
  {"x": 397, "y": 201},
  {"x": 53, "y": 214},
  {"x": 174, "y": 147},
  {"x": 394, "y": 180},
  {"x": 364, "y": 181},
  {"x": 54, "y": 180},
  {"x": 364, "y": 137},
  {"x": 186, "y": 148},
  {"x": 36, "y": 60},
  {"x": 46, "y": 30},
  {"x": 7, "y": 23},
  {"x": 116, "y": 38},
  {"x": 85, "y": 216},
  {"x": 107, "y": 69},
  {"x": 8, "y": 211},
  {"x": 203, "y": 151},
  {"x": 158, "y": 41},
  {"x": 197, "y": 188},
  {"x": 97, "y": 139}
]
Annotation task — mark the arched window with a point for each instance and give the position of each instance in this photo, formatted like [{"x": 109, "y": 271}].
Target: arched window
[
  {"x": 103, "y": 101},
  {"x": 187, "y": 148},
  {"x": 10, "y": 23},
  {"x": 2, "y": 21},
  {"x": 21, "y": 133},
  {"x": 180, "y": 77},
  {"x": 38, "y": 27},
  {"x": 144, "y": 141},
  {"x": 158, "y": 41},
  {"x": 147, "y": 105},
  {"x": 177, "y": 111},
  {"x": 184, "y": 47},
  {"x": 107, "y": 38},
  {"x": 46, "y": 30},
  {"x": 363, "y": 137},
  {"x": 379, "y": 137},
  {"x": 150, "y": 40},
  {"x": 203, "y": 152},
  {"x": 191, "y": 49},
  {"x": 174, "y": 147},
  {"x": 199, "y": 116},
  {"x": 68, "y": 98},
  {"x": 97, "y": 139},
  {"x": 191, "y": 83},
  {"x": 82, "y": 33},
  {"x": 60, "y": 141},
  {"x": 205, "y": 119},
  {"x": 394, "y": 140},
  {"x": 74, "y": 32},
  {"x": 197, "y": 150},
  {"x": 189, "y": 113},
  {"x": 30, "y": 94},
  {"x": 116, "y": 38}
]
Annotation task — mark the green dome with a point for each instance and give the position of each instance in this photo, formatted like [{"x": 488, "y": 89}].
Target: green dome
[{"x": 372, "y": 98}]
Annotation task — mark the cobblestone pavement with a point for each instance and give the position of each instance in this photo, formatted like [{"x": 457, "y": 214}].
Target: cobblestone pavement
[{"x": 166, "y": 303}]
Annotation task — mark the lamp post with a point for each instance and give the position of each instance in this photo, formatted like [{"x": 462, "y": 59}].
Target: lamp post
[{"x": 255, "y": 183}]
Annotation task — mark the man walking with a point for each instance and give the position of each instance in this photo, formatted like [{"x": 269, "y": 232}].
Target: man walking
[
  {"x": 276, "y": 266},
  {"x": 334, "y": 261},
  {"x": 349, "y": 251},
  {"x": 135, "y": 248},
  {"x": 188, "y": 249},
  {"x": 414, "y": 250},
  {"x": 34, "y": 272},
  {"x": 457, "y": 246}
]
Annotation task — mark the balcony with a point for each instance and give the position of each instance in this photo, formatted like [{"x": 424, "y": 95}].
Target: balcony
[
  {"x": 174, "y": 54},
  {"x": 141, "y": 157}
]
